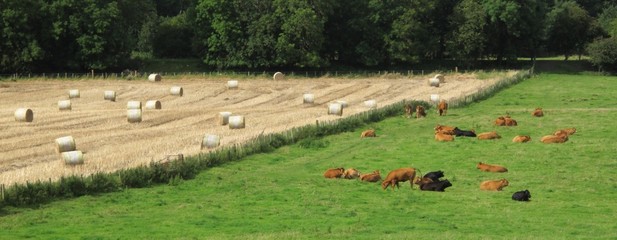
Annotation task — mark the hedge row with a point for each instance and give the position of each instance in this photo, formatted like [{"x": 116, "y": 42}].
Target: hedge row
[{"x": 40, "y": 192}]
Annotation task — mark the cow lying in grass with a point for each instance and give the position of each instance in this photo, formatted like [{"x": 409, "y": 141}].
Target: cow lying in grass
[
  {"x": 464, "y": 133},
  {"x": 351, "y": 173},
  {"x": 537, "y": 113},
  {"x": 490, "y": 168},
  {"x": 334, "y": 173},
  {"x": 435, "y": 176},
  {"x": 521, "y": 196},
  {"x": 521, "y": 139},
  {"x": 448, "y": 130},
  {"x": 566, "y": 131},
  {"x": 505, "y": 121},
  {"x": 399, "y": 175},
  {"x": 368, "y": 133},
  {"x": 371, "y": 177},
  {"x": 443, "y": 137},
  {"x": 494, "y": 185},
  {"x": 561, "y": 137},
  {"x": 439, "y": 186},
  {"x": 488, "y": 136}
]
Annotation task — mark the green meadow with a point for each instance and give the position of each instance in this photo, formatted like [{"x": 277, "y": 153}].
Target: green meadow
[{"x": 283, "y": 194}]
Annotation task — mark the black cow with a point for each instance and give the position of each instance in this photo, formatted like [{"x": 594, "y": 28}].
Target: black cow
[
  {"x": 434, "y": 175},
  {"x": 463, "y": 133},
  {"x": 521, "y": 196},
  {"x": 439, "y": 186}
]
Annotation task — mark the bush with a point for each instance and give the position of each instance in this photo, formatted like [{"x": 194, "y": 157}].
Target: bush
[
  {"x": 102, "y": 183},
  {"x": 603, "y": 54}
]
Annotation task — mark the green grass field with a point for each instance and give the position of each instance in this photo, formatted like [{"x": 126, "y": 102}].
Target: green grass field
[{"x": 283, "y": 195}]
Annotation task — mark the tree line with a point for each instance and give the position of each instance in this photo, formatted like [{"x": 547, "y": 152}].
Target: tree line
[{"x": 82, "y": 35}]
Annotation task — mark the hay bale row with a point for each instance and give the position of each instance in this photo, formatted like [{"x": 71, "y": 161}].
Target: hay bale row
[
  {"x": 335, "y": 109},
  {"x": 223, "y": 118},
  {"x": 67, "y": 149},
  {"x": 176, "y": 91},
  {"x": 64, "y": 105},
  {"x": 232, "y": 84},
  {"x": 153, "y": 104},
  {"x": 154, "y": 77},
  {"x": 110, "y": 95},
  {"x": 133, "y": 115},
  {"x": 210, "y": 141},
  {"x": 236, "y": 122},
  {"x": 308, "y": 98},
  {"x": 278, "y": 76},
  {"x": 24, "y": 115},
  {"x": 74, "y": 93}
]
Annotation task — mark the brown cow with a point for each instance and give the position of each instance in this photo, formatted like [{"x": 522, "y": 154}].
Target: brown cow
[
  {"x": 567, "y": 131},
  {"x": 490, "y": 168},
  {"x": 420, "y": 112},
  {"x": 443, "y": 137},
  {"x": 368, "y": 133},
  {"x": 521, "y": 139},
  {"x": 488, "y": 135},
  {"x": 561, "y": 138},
  {"x": 334, "y": 173},
  {"x": 371, "y": 177},
  {"x": 399, "y": 175},
  {"x": 537, "y": 113},
  {"x": 500, "y": 121},
  {"x": 442, "y": 107},
  {"x": 443, "y": 129},
  {"x": 509, "y": 121},
  {"x": 351, "y": 173},
  {"x": 408, "y": 110},
  {"x": 494, "y": 185}
]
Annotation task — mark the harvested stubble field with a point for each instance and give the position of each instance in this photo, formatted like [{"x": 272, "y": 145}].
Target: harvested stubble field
[{"x": 109, "y": 142}]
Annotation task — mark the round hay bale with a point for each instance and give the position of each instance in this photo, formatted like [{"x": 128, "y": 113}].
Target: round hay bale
[
  {"x": 223, "y": 118},
  {"x": 110, "y": 95},
  {"x": 24, "y": 115},
  {"x": 278, "y": 76},
  {"x": 308, "y": 98},
  {"x": 433, "y": 82},
  {"x": 153, "y": 104},
  {"x": 74, "y": 93},
  {"x": 133, "y": 105},
  {"x": 335, "y": 109},
  {"x": 73, "y": 157},
  {"x": 370, "y": 103},
  {"x": 236, "y": 122},
  {"x": 154, "y": 77},
  {"x": 343, "y": 103},
  {"x": 441, "y": 78},
  {"x": 232, "y": 84},
  {"x": 133, "y": 115},
  {"x": 64, "y": 105},
  {"x": 65, "y": 144},
  {"x": 210, "y": 141},
  {"x": 435, "y": 98},
  {"x": 176, "y": 91}
]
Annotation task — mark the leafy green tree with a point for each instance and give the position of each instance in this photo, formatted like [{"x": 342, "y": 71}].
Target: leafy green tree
[
  {"x": 302, "y": 34},
  {"x": 23, "y": 30},
  {"x": 603, "y": 54},
  {"x": 513, "y": 27},
  {"x": 173, "y": 38},
  {"x": 608, "y": 20},
  {"x": 567, "y": 28},
  {"x": 468, "y": 40}
]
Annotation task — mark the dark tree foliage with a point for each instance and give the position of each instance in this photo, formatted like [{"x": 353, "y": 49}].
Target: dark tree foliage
[{"x": 80, "y": 35}]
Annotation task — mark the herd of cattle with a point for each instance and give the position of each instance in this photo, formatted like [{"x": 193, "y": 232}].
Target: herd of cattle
[{"x": 432, "y": 181}]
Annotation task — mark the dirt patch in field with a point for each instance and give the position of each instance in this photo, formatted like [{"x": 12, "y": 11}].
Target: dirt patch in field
[{"x": 109, "y": 142}]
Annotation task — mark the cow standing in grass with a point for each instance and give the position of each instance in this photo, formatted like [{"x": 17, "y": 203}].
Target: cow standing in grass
[
  {"x": 399, "y": 175},
  {"x": 442, "y": 107}
]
